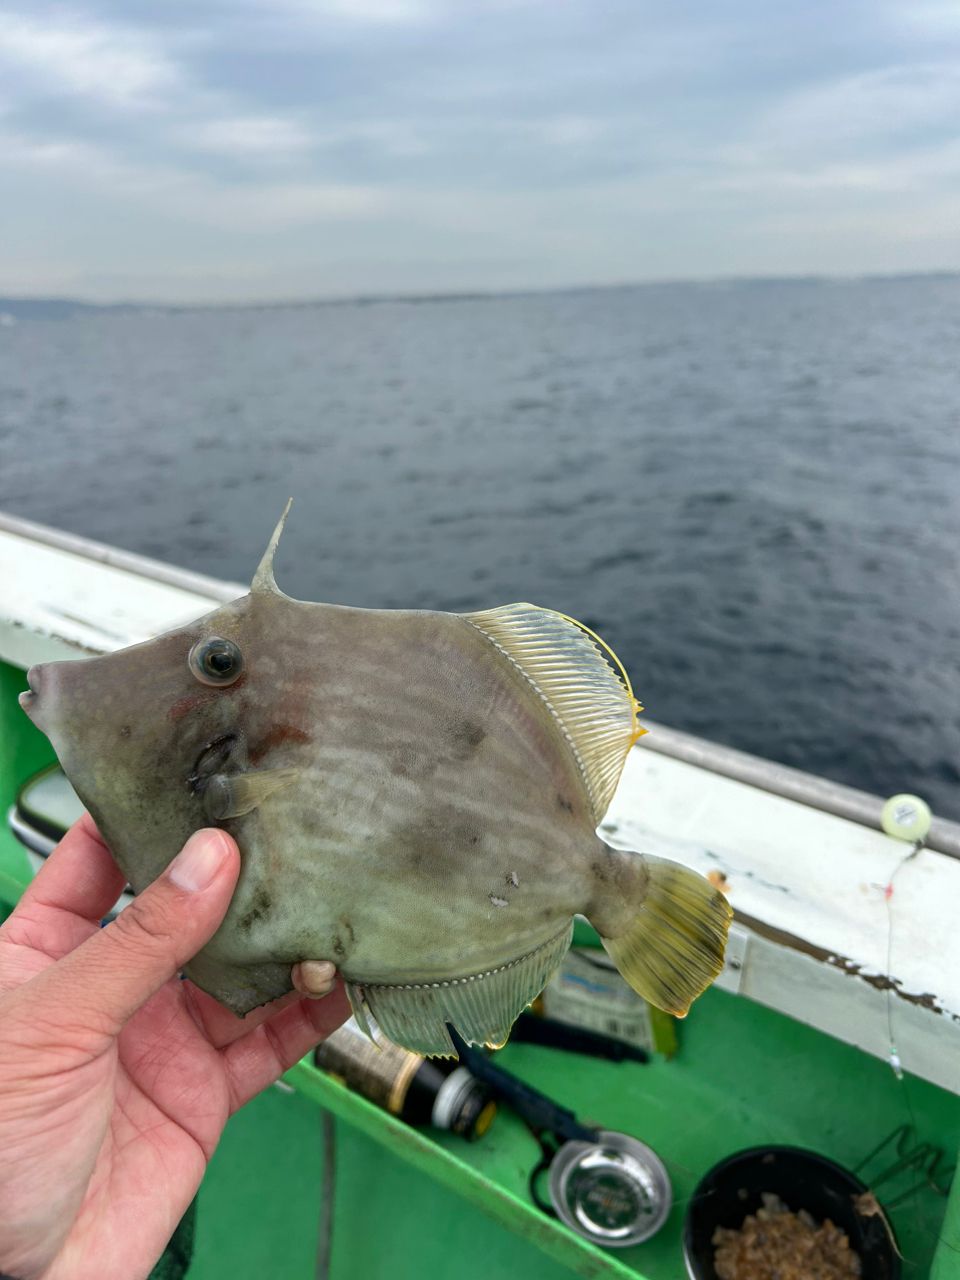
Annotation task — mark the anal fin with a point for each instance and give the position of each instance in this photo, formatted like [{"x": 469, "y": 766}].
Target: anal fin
[{"x": 481, "y": 1006}]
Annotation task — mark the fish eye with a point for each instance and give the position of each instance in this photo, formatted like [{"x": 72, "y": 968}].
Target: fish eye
[{"x": 216, "y": 661}]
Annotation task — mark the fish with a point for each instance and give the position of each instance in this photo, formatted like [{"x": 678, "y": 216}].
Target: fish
[{"x": 416, "y": 797}]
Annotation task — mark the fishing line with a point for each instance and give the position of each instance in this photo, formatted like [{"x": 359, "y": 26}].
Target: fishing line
[
  {"x": 893, "y": 1056},
  {"x": 906, "y": 816}
]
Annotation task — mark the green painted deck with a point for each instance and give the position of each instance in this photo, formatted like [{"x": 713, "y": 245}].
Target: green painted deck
[
  {"x": 406, "y": 1201},
  {"x": 410, "y": 1202}
]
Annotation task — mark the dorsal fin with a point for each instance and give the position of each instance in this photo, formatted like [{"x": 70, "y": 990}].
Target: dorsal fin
[
  {"x": 589, "y": 696},
  {"x": 263, "y": 579}
]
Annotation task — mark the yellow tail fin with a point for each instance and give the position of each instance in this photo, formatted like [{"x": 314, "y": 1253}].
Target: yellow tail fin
[{"x": 674, "y": 948}]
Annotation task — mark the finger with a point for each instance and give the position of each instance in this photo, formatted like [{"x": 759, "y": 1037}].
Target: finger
[
  {"x": 96, "y": 988},
  {"x": 314, "y": 978},
  {"x": 260, "y": 1057},
  {"x": 62, "y": 907},
  {"x": 80, "y": 877},
  {"x": 219, "y": 1025}
]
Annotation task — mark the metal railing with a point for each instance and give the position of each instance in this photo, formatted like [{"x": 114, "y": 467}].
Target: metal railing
[
  {"x": 792, "y": 784},
  {"x": 170, "y": 574}
]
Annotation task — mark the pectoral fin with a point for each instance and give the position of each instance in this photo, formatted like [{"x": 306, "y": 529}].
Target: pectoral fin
[{"x": 233, "y": 795}]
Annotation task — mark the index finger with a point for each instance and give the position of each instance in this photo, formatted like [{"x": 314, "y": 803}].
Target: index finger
[{"x": 64, "y": 903}]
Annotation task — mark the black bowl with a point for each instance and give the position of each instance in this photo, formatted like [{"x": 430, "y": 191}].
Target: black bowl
[{"x": 803, "y": 1180}]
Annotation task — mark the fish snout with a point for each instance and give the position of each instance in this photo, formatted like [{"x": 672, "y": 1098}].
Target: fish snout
[{"x": 38, "y": 682}]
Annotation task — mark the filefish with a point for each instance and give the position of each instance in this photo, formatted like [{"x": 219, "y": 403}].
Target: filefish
[{"x": 415, "y": 795}]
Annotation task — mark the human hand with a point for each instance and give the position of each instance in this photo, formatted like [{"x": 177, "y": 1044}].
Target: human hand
[{"x": 116, "y": 1077}]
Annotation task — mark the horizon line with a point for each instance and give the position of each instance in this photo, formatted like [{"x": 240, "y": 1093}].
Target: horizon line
[{"x": 470, "y": 294}]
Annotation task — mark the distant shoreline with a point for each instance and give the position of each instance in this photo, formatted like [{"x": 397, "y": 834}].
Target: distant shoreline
[{"x": 61, "y": 308}]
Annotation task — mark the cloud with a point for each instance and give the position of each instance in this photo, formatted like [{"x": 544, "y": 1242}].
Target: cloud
[
  {"x": 937, "y": 18},
  {"x": 569, "y": 130},
  {"x": 189, "y": 197},
  {"x": 880, "y": 133},
  {"x": 255, "y": 136},
  {"x": 120, "y": 65},
  {"x": 396, "y": 13},
  {"x": 117, "y": 68},
  {"x": 373, "y": 144},
  {"x": 71, "y": 158},
  {"x": 378, "y": 12},
  {"x": 270, "y": 208},
  {"x": 925, "y": 169},
  {"x": 877, "y": 106}
]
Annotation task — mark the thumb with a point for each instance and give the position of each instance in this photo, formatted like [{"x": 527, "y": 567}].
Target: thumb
[{"x": 98, "y": 987}]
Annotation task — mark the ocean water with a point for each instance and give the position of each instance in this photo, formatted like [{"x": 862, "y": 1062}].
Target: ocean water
[{"x": 751, "y": 490}]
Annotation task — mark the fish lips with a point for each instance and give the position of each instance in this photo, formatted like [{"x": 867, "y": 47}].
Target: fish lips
[{"x": 38, "y": 681}]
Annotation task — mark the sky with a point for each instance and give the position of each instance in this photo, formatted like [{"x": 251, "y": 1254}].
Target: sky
[{"x": 248, "y": 150}]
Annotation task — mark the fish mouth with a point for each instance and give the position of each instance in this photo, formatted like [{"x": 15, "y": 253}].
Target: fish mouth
[{"x": 28, "y": 699}]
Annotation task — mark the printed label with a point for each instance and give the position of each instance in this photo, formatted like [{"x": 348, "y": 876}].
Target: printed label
[{"x": 589, "y": 992}]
